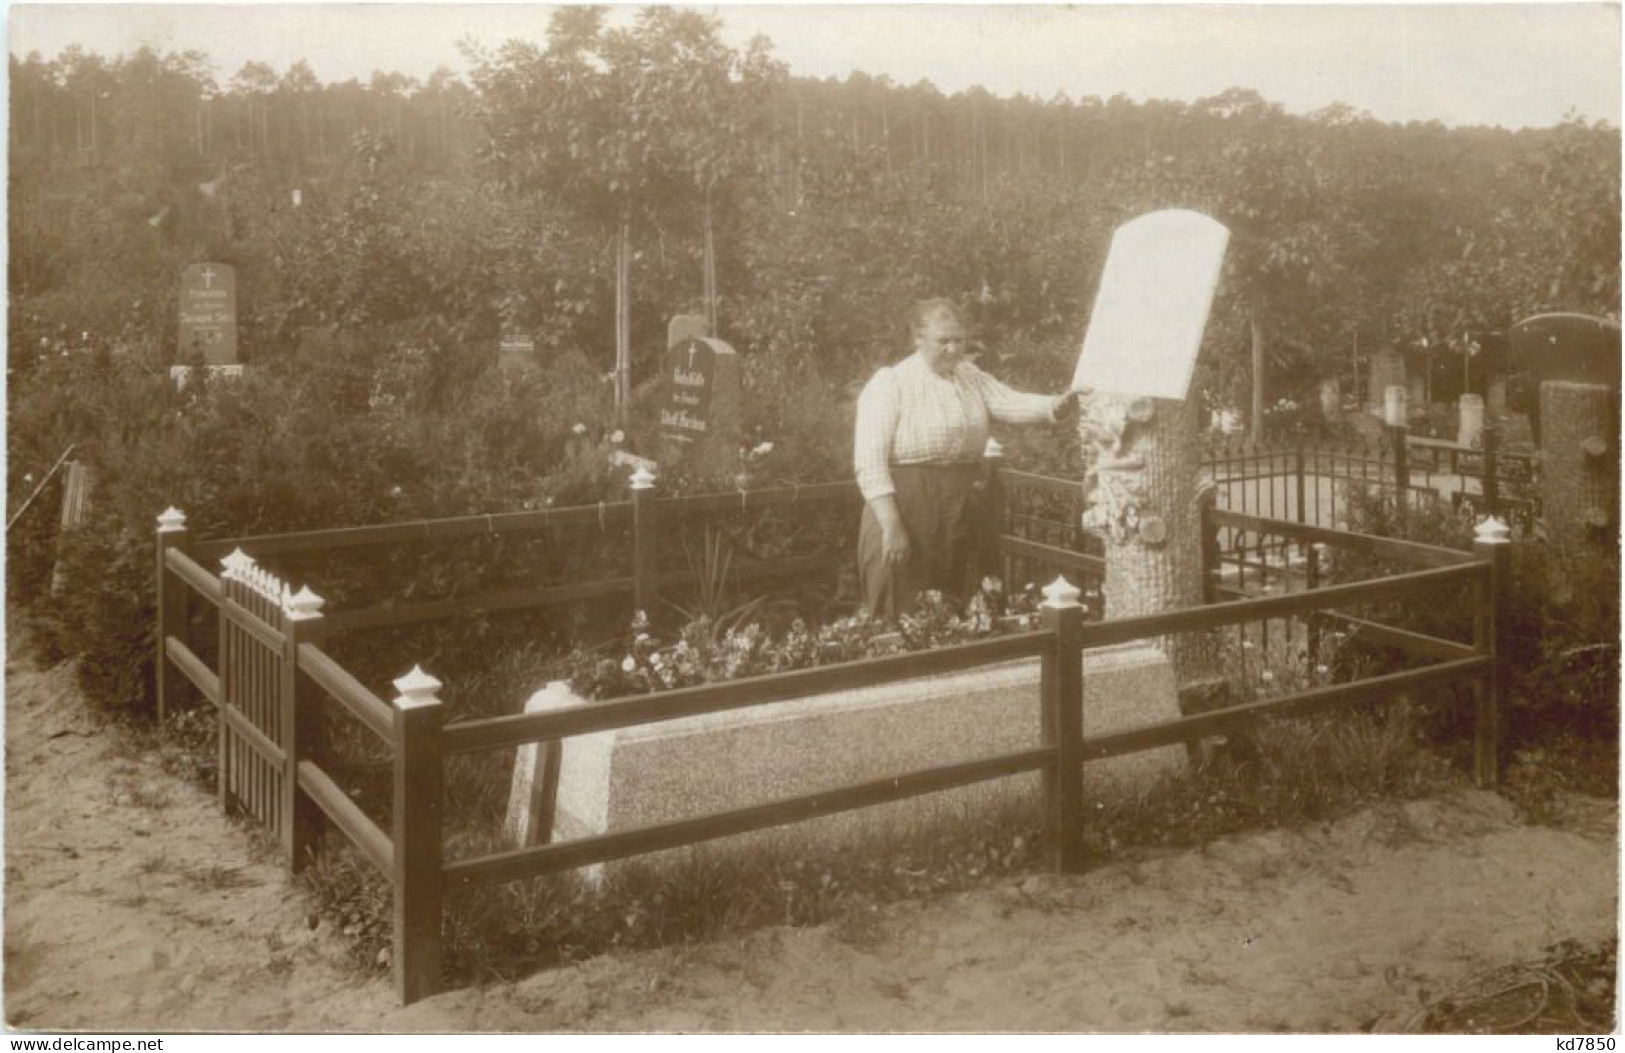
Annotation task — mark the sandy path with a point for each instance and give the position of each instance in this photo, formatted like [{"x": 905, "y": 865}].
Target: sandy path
[{"x": 131, "y": 904}]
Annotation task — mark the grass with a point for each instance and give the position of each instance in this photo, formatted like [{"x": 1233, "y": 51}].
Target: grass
[{"x": 1280, "y": 773}]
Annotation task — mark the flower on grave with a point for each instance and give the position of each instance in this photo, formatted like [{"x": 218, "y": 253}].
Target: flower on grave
[
  {"x": 629, "y": 664},
  {"x": 1246, "y": 645},
  {"x": 617, "y": 437},
  {"x": 992, "y": 585},
  {"x": 579, "y": 429},
  {"x": 1322, "y": 670},
  {"x": 1267, "y": 676},
  {"x": 640, "y": 620},
  {"x": 395, "y": 491}
]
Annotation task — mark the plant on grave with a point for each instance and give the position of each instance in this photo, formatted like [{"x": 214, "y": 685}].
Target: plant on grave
[{"x": 701, "y": 654}]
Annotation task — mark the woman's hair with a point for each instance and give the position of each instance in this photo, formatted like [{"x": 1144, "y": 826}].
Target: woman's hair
[{"x": 925, "y": 310}]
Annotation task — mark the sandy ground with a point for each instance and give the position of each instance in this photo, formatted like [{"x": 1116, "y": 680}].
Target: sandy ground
[{"x": 131, "y": 904}]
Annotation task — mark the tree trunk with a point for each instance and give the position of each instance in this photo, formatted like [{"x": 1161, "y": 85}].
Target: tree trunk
[
  {"x": 1256, "y": 417},
  {"x": 710, "y": 268},
  {"x": 623, "y": 322},
  {"x": 1145, "y": 506}
]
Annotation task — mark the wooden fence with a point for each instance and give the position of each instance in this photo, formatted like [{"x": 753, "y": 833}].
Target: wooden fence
[{"x": 273, "y": 682}]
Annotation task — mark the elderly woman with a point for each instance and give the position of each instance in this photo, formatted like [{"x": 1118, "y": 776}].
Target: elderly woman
[{"x": 922, "y": 426}]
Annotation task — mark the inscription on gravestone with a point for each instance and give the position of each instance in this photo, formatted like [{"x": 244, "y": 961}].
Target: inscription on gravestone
[
  {"x": 516, "y": 350},
  {"x": 699, "y": 418},
  {"x": 1152, "y": 306},
  {"x": 208, "y": 313}
]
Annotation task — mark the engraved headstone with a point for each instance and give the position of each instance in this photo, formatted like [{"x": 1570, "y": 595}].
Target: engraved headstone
[
  {"x": 208, "y": 313},
  {"x": 1152, "y": 306},
  {"x": 516, "y": 350},
  {"x": 699, "y": 414}
]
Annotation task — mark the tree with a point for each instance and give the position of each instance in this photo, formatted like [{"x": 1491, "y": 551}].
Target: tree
[{"x": 606, "y": 120}]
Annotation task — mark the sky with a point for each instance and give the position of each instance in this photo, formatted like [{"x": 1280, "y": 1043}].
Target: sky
[{"x": 1509, "y": 64}]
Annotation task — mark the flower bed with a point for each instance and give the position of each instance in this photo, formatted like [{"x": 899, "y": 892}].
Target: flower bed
[{"x": 742, "y": 643}]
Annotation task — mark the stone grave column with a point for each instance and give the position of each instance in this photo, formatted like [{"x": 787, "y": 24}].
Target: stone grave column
[{"x": 1141, "y": 438}]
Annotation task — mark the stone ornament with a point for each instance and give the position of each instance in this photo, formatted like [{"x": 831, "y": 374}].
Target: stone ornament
[{"x": 1114, "y": 482}]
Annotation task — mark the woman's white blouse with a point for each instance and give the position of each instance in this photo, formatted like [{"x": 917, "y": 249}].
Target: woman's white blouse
[{"x": 908, "y": 414}]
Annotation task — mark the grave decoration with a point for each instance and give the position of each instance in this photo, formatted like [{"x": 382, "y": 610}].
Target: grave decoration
[
  {"x": 208, "y": 320},
  {"x": 1140, "y": 430}
]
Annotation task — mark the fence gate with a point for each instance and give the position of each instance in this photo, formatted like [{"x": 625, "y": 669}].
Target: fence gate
[{"x": 252, "y": 635}]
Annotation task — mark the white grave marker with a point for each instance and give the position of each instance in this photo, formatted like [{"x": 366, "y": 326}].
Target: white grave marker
[{"x": 1153, "y": 304}]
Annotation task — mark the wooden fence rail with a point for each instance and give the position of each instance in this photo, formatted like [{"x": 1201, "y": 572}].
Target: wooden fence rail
[{"x": 276, "y": 636}]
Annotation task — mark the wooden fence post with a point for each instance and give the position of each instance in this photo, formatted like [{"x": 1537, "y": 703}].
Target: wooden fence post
[
  {"x": 645, "y": 527},
  {"x": 1062, "y": 693},
  {"x": 418, "y": 875},
  {"x": 1311, "y": 581},
  {"x": 1491, "y": 486},
  {"x": 174, "y": 612},
  {"x": 1491, "y": 629},
  {"x": 993, "y": 458},
  {"x": 232, "y": 567},
  {"x": 301, "y": 820}
]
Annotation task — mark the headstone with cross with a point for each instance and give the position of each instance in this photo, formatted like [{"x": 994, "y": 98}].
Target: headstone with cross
[
  {"x": 208, "y": 314},
  {"x": 699, "y": 409}
]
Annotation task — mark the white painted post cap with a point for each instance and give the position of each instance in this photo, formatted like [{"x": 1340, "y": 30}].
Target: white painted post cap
[
  {"x": 171, "y": 521},
  {"x": 417, "y": 688},
  {"x": 302, "y": 605},
  {"x": 994, "y": 449},
  {"x": 236, "y": 565},
  {"x": 643, "y": 478},
  {"x": 1061, "y": 593},
  {"x": 1493, "y": 531}
]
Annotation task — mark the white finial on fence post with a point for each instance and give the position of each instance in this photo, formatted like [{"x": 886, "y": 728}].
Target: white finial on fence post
[
  {"x": 417, "y": 688},
  {"x": 1493, "y": 530},
  {"x": 994, "y": 450},
  {"x": 1061, "y": 593},
  {"x": 171, "y": 521},
  {"x": 303, "y": 605},
  {"x": 643, "y": 478},
  {"x": 236, "y": 565}
]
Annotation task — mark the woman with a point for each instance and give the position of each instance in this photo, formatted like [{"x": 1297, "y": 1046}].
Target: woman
[{"x": 922, "y": 426}]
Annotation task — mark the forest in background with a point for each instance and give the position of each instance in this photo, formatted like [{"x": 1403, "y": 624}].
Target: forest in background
[{"x": 586, "y": 187}]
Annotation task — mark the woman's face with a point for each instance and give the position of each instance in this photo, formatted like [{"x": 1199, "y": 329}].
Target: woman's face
[{"x": 941, "y": 344}]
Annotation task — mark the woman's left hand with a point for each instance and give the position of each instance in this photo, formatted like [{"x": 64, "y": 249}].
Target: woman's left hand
[{"x": 1066, "y": 404}]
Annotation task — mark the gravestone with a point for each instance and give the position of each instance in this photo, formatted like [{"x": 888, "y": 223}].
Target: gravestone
[
  {"x": 208, "y": 313},
  {"x": 1470, "y": 421},
  {"x": 208, "y": 321},
  {"x": 1386, "y": 370},
  {"x": 516, "y": 351},
  {"x": 1331, "y": 400},
  {"x": 684, "y": 327},
  {"x": 1578, "y": 348},
  {"x": 1152, "y": 305},
  {"x": 1141, "y": 439},
  {"x": 699, "y": 409}
]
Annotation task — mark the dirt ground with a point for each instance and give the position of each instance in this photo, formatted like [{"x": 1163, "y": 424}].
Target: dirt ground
[{"x": 131, "y": 904}]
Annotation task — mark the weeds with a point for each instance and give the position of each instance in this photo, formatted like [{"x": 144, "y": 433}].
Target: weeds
[{"x": 1282, "y": 772}]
